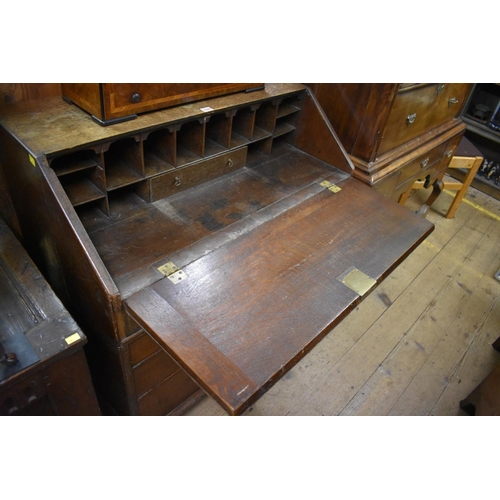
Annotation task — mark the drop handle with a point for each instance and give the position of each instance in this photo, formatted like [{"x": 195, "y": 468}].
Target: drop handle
[
  {"x": 230, "y": 163},
  {"x": 453, "y": 100},
  {"x": 449, "y": 153},
  {"x": 411, "y": 118},
  {"x": 424, "y": 163},
  {"x": 136, "y": 97},
  {"x": 177, "y": 181}
]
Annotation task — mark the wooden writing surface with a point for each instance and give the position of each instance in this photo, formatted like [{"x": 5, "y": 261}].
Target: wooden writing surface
[{"x": 251, "y": 308}]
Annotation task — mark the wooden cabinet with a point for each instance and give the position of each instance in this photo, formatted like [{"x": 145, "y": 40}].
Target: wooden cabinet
[
  {"x": 396, "y": 134},
  {"x": 43, "y": 369},
  {"x": 201, "y": 246},
  {"x": 110, "y": 103}
]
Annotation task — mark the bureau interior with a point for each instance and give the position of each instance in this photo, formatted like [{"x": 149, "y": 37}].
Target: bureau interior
[{"x": 145, "y": 196}]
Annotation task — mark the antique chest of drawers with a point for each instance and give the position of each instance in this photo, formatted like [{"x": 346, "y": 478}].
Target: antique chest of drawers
[
  {"x": 43, "y": 369},
  {"x": 110, "y": 103},
  {"x": 206, "y": 246},
  {"x": 397, "y": 133}
]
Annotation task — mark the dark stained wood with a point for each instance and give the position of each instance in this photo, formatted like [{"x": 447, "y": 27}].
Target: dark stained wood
[
  {"x": 140, "y": 347},
  {"x": 178, "y": 180},
  {"x": 256, "y": 305},
  {"x": 59, "y": 383},
  {"x": 314, "y": 132}
]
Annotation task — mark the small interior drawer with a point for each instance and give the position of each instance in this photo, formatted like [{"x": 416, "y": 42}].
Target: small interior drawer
[{"x": 180, "y": 179}]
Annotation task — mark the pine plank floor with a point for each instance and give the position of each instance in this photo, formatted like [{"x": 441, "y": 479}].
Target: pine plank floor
[{"x": 420, "y": 342}]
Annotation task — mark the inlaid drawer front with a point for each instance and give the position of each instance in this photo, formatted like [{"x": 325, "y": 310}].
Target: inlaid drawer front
[
  {"x": 419, "y": 109},
  {"x": 127, "y": 98},
  {"x": 178, "y": 180}
]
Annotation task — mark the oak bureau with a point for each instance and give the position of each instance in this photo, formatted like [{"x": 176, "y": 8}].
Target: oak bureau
[{"x": 205, "y": 247}]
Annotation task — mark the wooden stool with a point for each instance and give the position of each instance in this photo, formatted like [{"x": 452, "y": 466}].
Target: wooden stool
[{"x": 462, "y": 160}]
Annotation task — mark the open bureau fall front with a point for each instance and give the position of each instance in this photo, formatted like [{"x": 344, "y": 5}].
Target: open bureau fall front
[{"x": 209, "y": 245}]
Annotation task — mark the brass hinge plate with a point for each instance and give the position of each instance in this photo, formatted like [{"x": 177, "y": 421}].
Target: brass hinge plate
[
  {"x": 358, "y": 281},
  {"x": 172, "y": 272},
  {"x": 329, "y": 185}
]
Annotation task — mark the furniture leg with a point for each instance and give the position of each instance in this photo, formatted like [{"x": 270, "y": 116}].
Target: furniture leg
[{"x": 437, "y": 189}]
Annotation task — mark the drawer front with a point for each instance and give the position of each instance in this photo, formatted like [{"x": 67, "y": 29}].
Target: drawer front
[
  {"x": 168, "y": 395},
  {"x": 122, "y": 99},
  {"x": 387, "y": 185},
  {"x": 422, "y": 163},
  {"x": 152, "y": 371},
  {"x": 433, "y": 170},
  {"x": 141, "y": 347},
  {"x": 418, "y": 109},
  {"x": 180, "y": 179}
]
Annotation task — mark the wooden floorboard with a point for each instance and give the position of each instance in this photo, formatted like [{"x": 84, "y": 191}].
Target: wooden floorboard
[{"x": 419, "y": 343}]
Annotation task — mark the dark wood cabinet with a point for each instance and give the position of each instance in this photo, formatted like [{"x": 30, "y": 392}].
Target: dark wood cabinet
[
  {"x": 201, "y": 246},
  {"x": 43, "y": 369},
  {"x": 396, "y": 133}
]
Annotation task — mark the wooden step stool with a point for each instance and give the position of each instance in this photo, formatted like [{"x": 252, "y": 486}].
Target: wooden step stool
[{"x": 467, "y": 157}]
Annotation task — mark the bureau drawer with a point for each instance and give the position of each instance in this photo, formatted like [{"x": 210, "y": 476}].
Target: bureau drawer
[
  {"x": 180, "y": 179},
  {"x": 420, "y": 108},
  {"x": 141, "y": 347},
  {"x": 432, "y": 170},
  {"x": 422, "y": 163},
  {"x": 153, "y": 370},
  {"x": 167, "y": 396},
  {"x": 129, "y": 98}
]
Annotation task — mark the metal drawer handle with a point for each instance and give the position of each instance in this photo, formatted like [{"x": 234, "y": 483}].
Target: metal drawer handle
[
  {"x": 177, "y": 181},
  {"x": 230, "y": 162},
  {"x": 453, "y": 100},
  {"x": 136, "y": 97},
  {"x": 424, "y": 162},
  {"x": 449, "y": 153},
  {"x": 411, "y": 118},
  {"x": 440, "y": 88}
]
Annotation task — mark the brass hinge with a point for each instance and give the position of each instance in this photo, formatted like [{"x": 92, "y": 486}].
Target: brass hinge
[
  {"x": 172, "y": 272},
  {"x": 329, "y": 185},
  {"x": 357, "y": 281}
]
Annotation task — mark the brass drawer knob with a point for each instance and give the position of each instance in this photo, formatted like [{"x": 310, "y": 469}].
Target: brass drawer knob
[
  {"x": 177, "y": 181},
  {"x": 453, "y": 100},
  {"x": 424, "y": 163},
  {"x": 449, "y": 153},
  {"x": 440, "y": 88},
  {"x": 136, "y": 97},
  {"x": 411, "y": 118}
]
